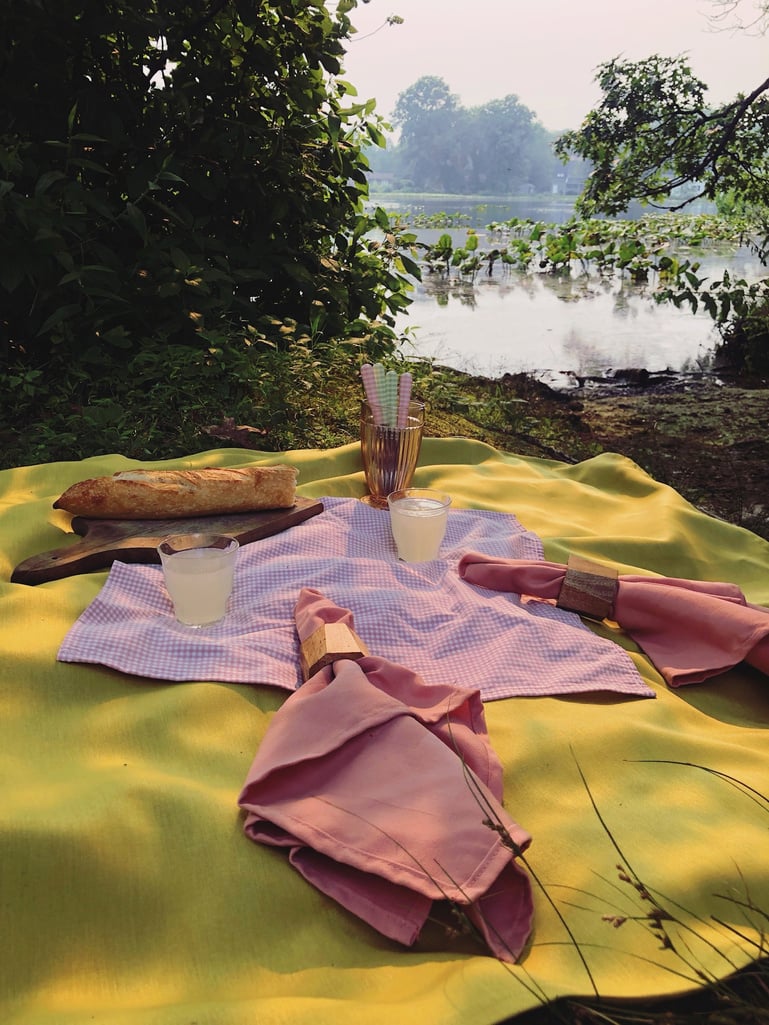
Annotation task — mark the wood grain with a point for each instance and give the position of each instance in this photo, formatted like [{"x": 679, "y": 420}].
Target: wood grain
[{"x": 103, "y": 541}]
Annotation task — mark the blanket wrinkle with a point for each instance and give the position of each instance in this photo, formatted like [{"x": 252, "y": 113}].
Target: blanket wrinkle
[
  {"x": 691, "y": 630},
  {"x": 363, "y": 775}
]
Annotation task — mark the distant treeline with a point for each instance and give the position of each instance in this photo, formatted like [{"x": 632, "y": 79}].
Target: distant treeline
[{"x": 498, "y": 148}]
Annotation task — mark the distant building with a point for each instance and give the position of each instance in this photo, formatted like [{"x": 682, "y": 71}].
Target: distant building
[{"x": 569, "y": 182}]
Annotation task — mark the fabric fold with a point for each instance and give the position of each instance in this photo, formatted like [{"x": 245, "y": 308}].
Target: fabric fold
[
  {"x": 690, "y": 629},
  {"x": 385, "y": 790}
]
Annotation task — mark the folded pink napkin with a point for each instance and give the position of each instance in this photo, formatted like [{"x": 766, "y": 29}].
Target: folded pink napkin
[
  {"x": 690, "y": 629},
  {"x": 387, "y": 793}
]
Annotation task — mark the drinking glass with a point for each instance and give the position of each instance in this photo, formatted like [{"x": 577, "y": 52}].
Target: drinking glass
[
  {"x": 418, "y": 519},
  {"x": 389, "y": 454},
  {"x": 199, "y": 570}
]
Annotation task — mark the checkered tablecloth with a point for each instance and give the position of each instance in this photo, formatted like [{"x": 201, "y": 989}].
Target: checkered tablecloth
[{"x": 420, "y": 615}]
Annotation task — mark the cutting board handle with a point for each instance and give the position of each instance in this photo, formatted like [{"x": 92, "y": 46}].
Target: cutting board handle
[
  {"x": 103, "y": 541},
  {"x": 97, "y": 550}
]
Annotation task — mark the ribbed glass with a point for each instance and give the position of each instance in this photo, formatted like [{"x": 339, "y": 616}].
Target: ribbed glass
[{"x": 390, "y": 454}]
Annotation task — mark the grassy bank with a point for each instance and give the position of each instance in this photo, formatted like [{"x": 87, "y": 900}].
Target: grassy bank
[{"x": 303, "y": 397}]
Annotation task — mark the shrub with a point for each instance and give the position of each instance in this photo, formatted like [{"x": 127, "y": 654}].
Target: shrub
[{"x": 171, "y": 171}]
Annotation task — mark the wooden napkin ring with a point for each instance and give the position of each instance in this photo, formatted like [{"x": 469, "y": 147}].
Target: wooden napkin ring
[
  {"x": 589, "y": 588},
  {"x": 327, "y": 644}
]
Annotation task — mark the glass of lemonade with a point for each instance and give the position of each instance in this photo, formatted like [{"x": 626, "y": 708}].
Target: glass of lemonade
[
  {"x": 418, "y": 518},
  {"x": 199, "y": 570}
]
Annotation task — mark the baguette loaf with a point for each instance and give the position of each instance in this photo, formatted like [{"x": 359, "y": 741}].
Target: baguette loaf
[{"x": 168, "y": 494}]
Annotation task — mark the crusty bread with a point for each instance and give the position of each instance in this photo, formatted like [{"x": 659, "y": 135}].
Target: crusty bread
[{"x": 168, "y": 494}]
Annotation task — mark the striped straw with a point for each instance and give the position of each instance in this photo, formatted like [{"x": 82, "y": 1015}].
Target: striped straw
[
  {"x": 379, "y": 384},
  {"x": 388, "y": 394},
  {"x": 372, "y": 395},
  {"x": 390, "y": 404},
  {"x": 404, "y": 398}
]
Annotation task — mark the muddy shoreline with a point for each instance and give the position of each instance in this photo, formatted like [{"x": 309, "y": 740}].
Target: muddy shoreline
[{"x": 705, "y": 434}]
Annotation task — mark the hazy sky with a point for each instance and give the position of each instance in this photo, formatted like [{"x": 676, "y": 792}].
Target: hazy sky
[{"x": 545, "y": 52}]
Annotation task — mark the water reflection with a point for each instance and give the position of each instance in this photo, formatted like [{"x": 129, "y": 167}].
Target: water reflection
[
  {"x": 480, "y": 211},
  {"x": 513, "y": 322}
]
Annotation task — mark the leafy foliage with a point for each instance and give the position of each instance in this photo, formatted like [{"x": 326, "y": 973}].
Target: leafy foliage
[
  {"x": 168, "y": 400},
  {"x": 653, "y": 133},
  {"x": 169, "y": 174},
  {"x": 745, "y": 329},
  {"x": 654, "y": 138},
  {"x": 662, "y": 247}
]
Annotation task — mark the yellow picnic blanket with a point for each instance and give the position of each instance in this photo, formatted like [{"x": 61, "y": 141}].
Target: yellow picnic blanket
[{"x": 129, "y": 894}]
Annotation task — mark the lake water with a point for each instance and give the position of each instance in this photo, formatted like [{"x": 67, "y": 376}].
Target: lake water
[{"x": 541, "y": 325}]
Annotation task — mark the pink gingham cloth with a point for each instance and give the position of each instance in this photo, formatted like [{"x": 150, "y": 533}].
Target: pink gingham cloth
[{"x": 418, "y": 614}]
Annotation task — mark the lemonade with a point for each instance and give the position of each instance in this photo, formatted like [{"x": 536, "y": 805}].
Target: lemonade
[
  {"x": 199, "y": 580},
  {"x": 418, "y": 520}
]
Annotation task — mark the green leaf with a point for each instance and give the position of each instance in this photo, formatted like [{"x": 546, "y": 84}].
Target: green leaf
[
  {"x": 11, "y": 276},
  {"x": 410, "y": 267},
  {"x": 382, "y": 219},
  {"x": 375, "y": 135},
  {"x": 88, "y": 165},
  {"x": 180, "y": 260},
  {"x": 46, "y": 180},
  {"x": 58, "y": 316},
  {"x": 136, "y": 220},
  {"x": 334, "y": 125}
]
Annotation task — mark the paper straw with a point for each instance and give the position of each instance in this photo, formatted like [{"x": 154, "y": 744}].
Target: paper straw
[
  {"x": 404, "y": 398},
  {"x": 379, "y": 384},
  {"x": 388, "y": 394},
  {"x": 390, "y": 403},
  {"x": 372, "y": 396}
]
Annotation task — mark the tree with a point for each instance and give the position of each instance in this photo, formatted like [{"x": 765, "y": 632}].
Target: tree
[
  {"x": 172, "y": 171},
  {"x": 419, "y": 104},
  {"x": 504, "y": 146},
  {"x": 495, "y": 148},
  {"x": 427, "y": 115},
  {"x": 653, "y": 134},
  {"x": 654, "y": 138},
  {"x": 728, "y": 14}
]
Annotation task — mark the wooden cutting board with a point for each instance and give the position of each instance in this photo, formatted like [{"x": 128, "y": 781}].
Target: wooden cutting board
[{"x": 104, "y": 541}]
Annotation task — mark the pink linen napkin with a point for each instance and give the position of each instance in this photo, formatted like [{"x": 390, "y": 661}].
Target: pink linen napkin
[
  {"x": 384, "y": 789},
  {"x": 690, "y": 629}
]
